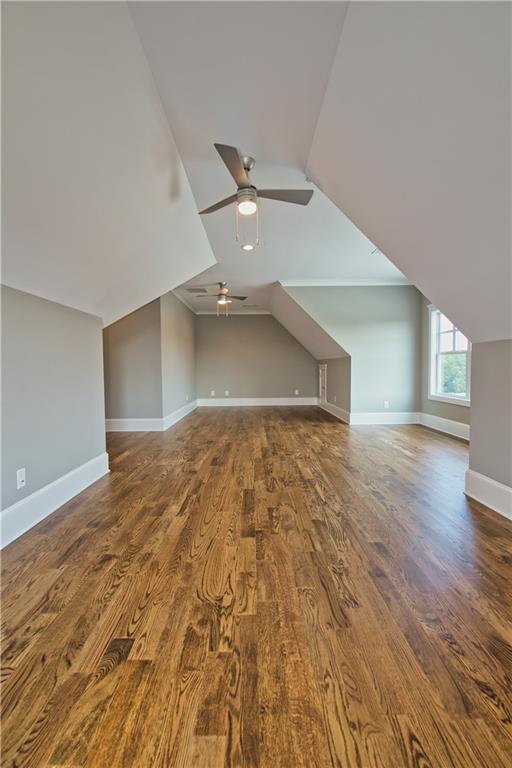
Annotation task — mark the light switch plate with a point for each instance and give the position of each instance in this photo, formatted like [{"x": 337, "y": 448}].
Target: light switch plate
[{"x": 21, "y": 478}]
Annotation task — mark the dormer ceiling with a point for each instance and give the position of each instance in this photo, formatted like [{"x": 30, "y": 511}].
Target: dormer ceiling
[{"x": 396, "y": 114}]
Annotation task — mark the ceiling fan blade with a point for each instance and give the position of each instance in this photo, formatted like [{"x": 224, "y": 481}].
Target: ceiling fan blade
[
  {"x": 233, "y": 162},
  {"x": 298, "y": 196},
  {"x": 238, "y": 298},
  {"x": 202, "y": 288},
  {"x": 220, "y": 204},
  {"x": 206, "y": 296}
]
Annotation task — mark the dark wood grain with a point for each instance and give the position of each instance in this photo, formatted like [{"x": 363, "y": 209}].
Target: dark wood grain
[{"x": 263, "y": 587}]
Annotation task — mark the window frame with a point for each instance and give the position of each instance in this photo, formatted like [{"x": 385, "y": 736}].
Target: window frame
[{"x": 433, "y": 358}]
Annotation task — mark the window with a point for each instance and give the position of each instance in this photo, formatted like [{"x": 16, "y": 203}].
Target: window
[{"x": 450, "y": 361}]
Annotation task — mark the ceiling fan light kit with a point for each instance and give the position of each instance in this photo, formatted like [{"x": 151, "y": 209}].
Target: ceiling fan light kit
[
  {"x": 247, "y": 220},
  {"x": 223, "y": 305},
  {"x": 246, "y": 196},
  {"x": 223, "y": 301}
]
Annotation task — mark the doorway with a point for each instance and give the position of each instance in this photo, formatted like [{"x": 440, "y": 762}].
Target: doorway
[{"x": 322, "y": 382}]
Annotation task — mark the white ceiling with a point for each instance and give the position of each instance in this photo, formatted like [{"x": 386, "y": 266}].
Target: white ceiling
[
  {"x": 300, "y": 323},
  {"x": 413, "y": 143},
  {"x": 399, "y": 111},
  {"x": 254, "y": 75},
  {"x": 97, "y": 212}
]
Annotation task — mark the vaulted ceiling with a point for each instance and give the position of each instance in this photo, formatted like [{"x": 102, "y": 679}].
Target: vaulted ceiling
[
  {"x": 399, "y": 112},
  {"x": 413, "y": 143},
  {"x": 97, "y": 211},
  {"x": 254, "y": 75}
]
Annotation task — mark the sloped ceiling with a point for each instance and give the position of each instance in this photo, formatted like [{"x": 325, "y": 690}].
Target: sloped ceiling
[
  {"x": 399, "y": 112},
  {"x": 254, "y": 75},
  {"x": 97, "y": 210},
  {"x": 300, "y": 323},
  {"x": 413, "y": 144}
]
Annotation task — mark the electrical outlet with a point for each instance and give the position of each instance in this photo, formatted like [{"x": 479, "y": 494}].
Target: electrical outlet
[
  {"x": 187, "y": 398},
  {"x": 21, "y": 479},
  {"x": 212, "y": 393},
  {"x": 226, "y": 392},
  {"x": 386, "y": 403},
  {"x": 334, "y": 398},
  {"x": 295, "y": 391}
]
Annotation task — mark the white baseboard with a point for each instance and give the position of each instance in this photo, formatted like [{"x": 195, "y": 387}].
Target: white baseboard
[
  {"x": 385, "y": 417},
  {"x": 487, "y": 491},
  {"x": 448, "y": 426},
  {"x": 24, "y": 514},
  {"x": 208, "y": 402},
  {"x": 335, "y": 410},
  {"x": 150, "y": 425},
  {"x": 178, "y": 414}
]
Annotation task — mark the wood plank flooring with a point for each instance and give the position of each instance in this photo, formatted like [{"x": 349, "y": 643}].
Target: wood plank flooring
[{"x": 263, "y": 587}]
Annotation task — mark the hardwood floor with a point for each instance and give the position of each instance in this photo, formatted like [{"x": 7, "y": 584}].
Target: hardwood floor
[{"x": 263, "y": 587}]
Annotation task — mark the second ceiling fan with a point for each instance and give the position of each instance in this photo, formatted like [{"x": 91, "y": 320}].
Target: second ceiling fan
[
  {"x": 223, "y": 300},
  {"x": 247, "y": 194}
]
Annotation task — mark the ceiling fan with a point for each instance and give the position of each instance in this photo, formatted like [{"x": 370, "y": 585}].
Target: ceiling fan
[
  {"x": 221, "y": 295},
  {"x": 247, "y": 194}
]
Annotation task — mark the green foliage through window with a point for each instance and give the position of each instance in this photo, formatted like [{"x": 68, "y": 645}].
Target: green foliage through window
[{"x": 453, "y": 374}]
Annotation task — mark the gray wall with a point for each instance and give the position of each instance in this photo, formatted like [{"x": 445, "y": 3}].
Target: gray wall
[
  {"x": 490, "y": 451},
  {"x": 52, "y": 391},
  {"x": 380, "y": 327},
  {"x": 133, "y": 365},
  {"x": 339, "y": 382},
  {"x": 251, "y": 356},
  {"x": 451, "y": 411},
  {"x": 178, "y": 353}
]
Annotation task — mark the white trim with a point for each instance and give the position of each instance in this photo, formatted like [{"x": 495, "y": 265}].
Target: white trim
[
  {"x": 450, "y": 427},
  {"x": 433, "y": 355},
  {"x": 208, "y": 402},
  {"x": 178, "y": 414},
  {"x": 134, "y": 425},
  {"x": 183, "y": 301},
  {"x": 150, "y": 425},
  {"x": 333, "y": 283},
  {"x": 451, "y": 400},
  {"x": 335, "y": 410},
  {"x": 494, "y": 495},
  {"x": 322, "y": 378},
  {"x": 234, "y": 312},
  {"x": 27, "y": 512},
  {"x": 385, "y": 417}
]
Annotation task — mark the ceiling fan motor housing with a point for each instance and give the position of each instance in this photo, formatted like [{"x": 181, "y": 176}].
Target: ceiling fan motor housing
[
  {"x": 248, "y": 162},
  {"x": 246, "y": 193}
]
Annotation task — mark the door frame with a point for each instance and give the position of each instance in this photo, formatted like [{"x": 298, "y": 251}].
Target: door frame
[{"x": 322, "y": 382}]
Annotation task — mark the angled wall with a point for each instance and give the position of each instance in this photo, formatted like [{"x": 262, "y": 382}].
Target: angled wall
[
  {"x": 339, "y": 383},
  {"x": 379, "y": 326},
  {"x": 413, "y": 145},
  {"x": 132, "y": 357},
  {"x": 303, "y": 326},
  {"x": 149, "y": 360},
  {"x": 491, "y": 413},
  {"x": 178, "y": 344},
  {"x": 97, "y": 212},
  {"x": 452, "y": 411}
]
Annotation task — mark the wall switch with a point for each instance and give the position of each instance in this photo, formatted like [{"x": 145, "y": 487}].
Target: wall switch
[
  {"x": 386, "y": 403},
  {"x": 212, "y": 393},
  {"x": 295, "y": 391},
  {"x": 226, "y": 392},
  {"x": 21, "y": 479},
  {"x": 334, "y": 398}
]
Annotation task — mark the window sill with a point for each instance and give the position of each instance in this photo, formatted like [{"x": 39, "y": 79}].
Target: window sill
[{"x": 450, "y": 400}]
